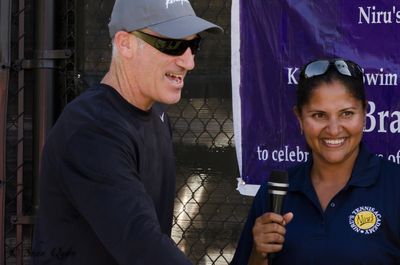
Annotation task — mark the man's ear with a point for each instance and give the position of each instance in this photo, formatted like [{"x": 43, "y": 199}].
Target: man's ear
[{"x": 124, "y": 43}]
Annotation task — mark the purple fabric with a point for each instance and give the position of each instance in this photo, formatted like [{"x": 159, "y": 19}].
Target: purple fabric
[{"x": 278, "y": 37}]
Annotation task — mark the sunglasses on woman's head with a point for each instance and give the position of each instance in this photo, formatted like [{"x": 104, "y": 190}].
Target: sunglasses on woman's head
[
  {"x": 174, "y": 47},
  {"x": 320, "y": 67}
]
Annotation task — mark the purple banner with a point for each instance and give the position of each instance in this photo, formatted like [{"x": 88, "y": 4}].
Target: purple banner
[{"x": 277, "y": 38}]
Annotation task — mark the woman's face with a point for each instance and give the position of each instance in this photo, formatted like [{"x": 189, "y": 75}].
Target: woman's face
[{"x": 332, "y": 122}]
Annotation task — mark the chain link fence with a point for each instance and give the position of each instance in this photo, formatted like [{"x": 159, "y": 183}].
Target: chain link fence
[
  {"x": 18, "y": 184},
  {"x": 209, "y": 212}
]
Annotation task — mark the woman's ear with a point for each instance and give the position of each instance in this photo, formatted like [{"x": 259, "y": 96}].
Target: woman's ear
[
  {"x": 297, "y": 113},
  {"x": 365, "y": 112},
  {"x": 124, "y": 43}
]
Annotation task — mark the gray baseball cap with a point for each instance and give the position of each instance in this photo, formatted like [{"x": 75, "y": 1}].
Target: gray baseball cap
[{"x": 172, "y": 18}]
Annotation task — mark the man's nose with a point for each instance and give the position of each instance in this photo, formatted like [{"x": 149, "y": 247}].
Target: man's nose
[{"x": 186, "y": 60}]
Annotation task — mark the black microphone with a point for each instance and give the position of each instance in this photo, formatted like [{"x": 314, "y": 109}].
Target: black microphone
[{"x": 278, "y": 184}]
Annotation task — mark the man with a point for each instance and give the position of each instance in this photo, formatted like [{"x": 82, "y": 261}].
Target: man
[{"x": 108, "y": 174}]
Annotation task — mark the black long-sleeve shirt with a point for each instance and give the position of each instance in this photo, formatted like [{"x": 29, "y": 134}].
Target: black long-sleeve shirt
[{"x": 107, "y": 186}]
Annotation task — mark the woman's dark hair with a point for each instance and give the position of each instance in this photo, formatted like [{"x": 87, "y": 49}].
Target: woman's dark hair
[{"x": 306, "y": 85}]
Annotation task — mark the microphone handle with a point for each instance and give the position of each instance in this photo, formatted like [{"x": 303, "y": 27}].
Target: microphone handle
[{"x": 276, "y": 202}]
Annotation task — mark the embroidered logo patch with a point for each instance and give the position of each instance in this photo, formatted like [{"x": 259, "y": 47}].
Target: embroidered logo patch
[{"x": 365, "y": 220}]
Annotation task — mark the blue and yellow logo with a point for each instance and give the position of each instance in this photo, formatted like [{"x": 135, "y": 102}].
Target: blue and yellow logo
[{"x": 365, "y": 220}]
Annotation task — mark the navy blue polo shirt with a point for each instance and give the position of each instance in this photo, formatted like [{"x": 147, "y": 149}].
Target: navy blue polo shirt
[{"x": 361, "y": 224}]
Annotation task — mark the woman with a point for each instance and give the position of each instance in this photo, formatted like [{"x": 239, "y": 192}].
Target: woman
[{"x": 343, "y": 205}]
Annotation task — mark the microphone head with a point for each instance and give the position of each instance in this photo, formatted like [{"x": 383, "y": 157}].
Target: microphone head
[{"x": 278, "y": 182}]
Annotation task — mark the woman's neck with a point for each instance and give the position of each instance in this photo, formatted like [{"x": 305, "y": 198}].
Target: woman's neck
[{"x": 330, "y": 178}]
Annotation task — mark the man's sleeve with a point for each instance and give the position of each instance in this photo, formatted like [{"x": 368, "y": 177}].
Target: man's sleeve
[{"x": 101, "y": 179}]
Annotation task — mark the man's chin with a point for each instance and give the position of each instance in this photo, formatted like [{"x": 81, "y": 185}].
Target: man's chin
[{"x": 172, "y": 100}]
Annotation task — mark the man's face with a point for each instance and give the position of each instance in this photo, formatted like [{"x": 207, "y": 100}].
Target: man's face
[{"x": 158, "y": 76}]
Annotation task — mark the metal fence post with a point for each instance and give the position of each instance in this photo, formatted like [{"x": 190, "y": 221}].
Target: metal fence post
[
  {"x": 5, "y": 28},
  {"x": 44, "y": 86}
]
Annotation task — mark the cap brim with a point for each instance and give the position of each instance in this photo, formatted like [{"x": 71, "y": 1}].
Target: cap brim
[{"x": 185, "y": 26}]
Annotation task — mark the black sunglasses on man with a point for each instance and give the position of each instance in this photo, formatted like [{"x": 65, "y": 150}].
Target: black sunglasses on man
[{"x": 174, "y": 47}]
